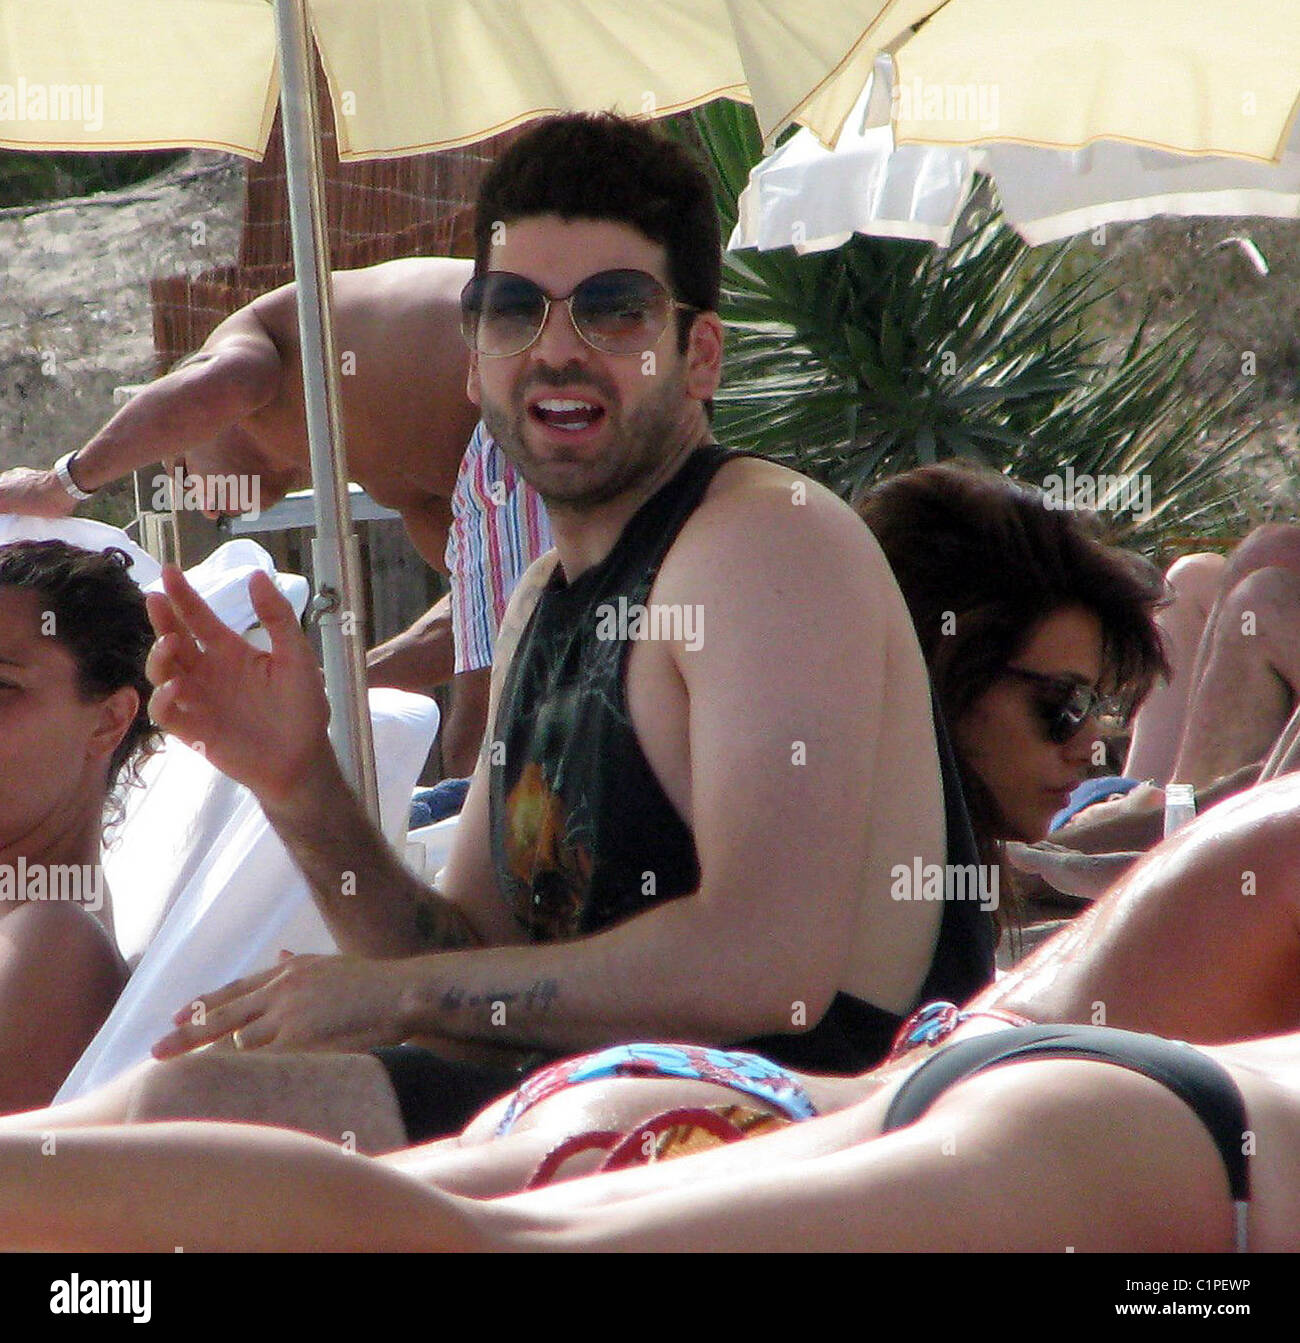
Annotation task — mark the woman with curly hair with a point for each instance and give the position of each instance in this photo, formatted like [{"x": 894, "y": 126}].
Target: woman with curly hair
[{"x": 74, "y": 637}]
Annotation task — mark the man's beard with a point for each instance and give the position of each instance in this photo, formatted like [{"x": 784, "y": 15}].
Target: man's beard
[{"x": 635, "y": 450}]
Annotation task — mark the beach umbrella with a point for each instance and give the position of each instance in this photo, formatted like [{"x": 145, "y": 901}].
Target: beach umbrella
[
  {"x": 406, "y": 77},
  {"x": 1083, "y": 114},
  {"x": 1220, "y": 77}
]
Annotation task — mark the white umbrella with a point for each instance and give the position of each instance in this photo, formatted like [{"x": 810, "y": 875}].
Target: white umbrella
[{"x": 813, "y": 198}]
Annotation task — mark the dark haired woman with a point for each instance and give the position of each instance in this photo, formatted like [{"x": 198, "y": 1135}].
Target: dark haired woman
[
  {"x": 74, "y": 637},
  {"x": 1028, "y": 623}
]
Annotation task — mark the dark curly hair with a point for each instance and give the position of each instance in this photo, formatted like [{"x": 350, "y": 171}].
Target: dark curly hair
[
  {"x": 602, "y": 166},
  {"x": 99, "y": 617},
  {"x": 982, "y": 561}
]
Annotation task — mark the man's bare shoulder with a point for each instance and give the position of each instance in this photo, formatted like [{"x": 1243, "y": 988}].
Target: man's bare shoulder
[
  {"x": 408, "y": 288},
  {"x": 763, "y": 516}
]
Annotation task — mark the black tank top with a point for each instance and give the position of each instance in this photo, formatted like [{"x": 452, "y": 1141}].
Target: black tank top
[{"x": 583, "y": 834}]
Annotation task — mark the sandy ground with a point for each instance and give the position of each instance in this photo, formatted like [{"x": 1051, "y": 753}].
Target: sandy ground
[{"x": 1246, "y": 326}]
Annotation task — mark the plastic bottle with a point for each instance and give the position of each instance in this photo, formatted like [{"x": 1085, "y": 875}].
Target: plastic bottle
[{"x": 1180, "y": 806}]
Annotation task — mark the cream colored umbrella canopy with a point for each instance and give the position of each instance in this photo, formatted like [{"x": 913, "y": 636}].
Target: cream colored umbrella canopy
[
  {"x": 137, "y": 74},
  {"x": 1204, "y": 77},
  {"x": 440, "y": 73},
  {"x": 1207, "y": 77},
  {"x": 412, "y": 76}
]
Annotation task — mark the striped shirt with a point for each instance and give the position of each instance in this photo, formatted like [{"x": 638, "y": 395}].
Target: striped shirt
[{"x": 498, "y": 528}]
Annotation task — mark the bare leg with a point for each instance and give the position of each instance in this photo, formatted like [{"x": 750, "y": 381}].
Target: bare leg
[
  {"x": 1248, "y": 690},
  {"x": 1158, "y": 726},
  {"x": 1200, "y": 941},
  {"x": 995, "y": 1165},
  {"x": 1272, "y": 546},
  {"x": 1232, "y": 720},
  {"x": 110, "y": 1104},
  {"x": 344, "y": 1098},
  {"x": 167, "y": 1187}
]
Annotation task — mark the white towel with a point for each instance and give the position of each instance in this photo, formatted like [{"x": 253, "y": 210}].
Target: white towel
[
  {"x": 221, "y": 580},
  {"x": 83, "y": 532}
]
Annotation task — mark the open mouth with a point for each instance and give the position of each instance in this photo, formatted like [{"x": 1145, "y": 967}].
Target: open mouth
[{"x": 569, "y": 414}]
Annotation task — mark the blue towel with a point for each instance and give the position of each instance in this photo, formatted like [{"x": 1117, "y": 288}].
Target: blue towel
[
  {"x": 437, "y": 803},
  {"x": 1090, "y": 791}
]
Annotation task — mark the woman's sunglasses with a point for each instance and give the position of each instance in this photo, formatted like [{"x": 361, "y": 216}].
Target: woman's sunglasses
[
  {"x": 614, "y": 311},
  {"x": 1064, "y": 704}
]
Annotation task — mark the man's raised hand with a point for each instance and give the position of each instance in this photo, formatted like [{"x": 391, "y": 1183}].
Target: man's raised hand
[{"x": 259, "y": 717}]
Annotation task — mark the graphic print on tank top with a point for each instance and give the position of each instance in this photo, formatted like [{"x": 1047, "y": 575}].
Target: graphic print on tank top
[{"x": 583, "y": 834}]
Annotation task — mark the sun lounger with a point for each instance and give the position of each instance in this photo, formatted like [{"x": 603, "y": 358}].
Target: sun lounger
[{"x": 204, "y": 892}]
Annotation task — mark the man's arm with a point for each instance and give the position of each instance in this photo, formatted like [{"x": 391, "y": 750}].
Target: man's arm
[
  {"x": 188, "y": 407},
  {"x": 784, "y": 693},
  {"x": 261, "y": 718},
  {"x": 420, "y": 658}
]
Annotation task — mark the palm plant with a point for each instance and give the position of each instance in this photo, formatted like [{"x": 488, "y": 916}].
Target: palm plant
[{"x": 882, "y": 355}]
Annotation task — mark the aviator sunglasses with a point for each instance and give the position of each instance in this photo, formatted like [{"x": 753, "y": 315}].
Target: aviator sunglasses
[
  {"x": 614, "y": 311},
  {"x": 1063, "y": 704}
]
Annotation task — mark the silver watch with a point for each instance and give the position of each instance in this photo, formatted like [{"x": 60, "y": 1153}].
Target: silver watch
[{"x": 65, "y": 478}]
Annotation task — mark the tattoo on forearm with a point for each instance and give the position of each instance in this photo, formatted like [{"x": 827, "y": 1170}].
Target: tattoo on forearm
[{"x": 538, "y": 998}]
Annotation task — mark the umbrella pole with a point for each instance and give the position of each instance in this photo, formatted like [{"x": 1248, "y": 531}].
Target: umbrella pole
[{"x": 339, "y": 603}]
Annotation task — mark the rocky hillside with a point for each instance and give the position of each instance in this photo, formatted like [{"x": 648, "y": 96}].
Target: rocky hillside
[
  {"x": 74, "y": 307},
  {"x": 1246, "y": 323}
]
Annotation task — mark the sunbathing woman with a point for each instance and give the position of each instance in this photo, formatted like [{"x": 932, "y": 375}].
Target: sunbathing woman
[
  {"x": 73, "y": 642},
  {"x": 1006, "y": 1138},
  {"x": 1036, "y": 1152}
]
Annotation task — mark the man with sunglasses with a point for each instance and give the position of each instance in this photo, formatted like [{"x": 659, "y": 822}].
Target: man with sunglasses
[{"x": 711, "y": 742}]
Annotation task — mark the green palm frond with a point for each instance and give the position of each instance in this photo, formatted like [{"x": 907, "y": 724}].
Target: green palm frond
[{"x": 881, "y": 355}]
